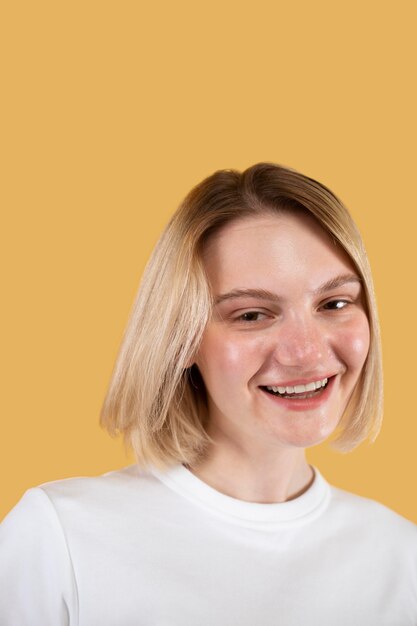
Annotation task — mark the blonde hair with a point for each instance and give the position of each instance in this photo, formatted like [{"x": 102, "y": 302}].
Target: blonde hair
[{"x": 156, "y": 400}]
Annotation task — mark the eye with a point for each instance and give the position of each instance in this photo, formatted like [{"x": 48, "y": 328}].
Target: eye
[
  {"x": 335, "y": 305},
  {"x": 251, "y": 316}
]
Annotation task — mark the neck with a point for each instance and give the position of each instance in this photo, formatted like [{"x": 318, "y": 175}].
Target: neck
[{"x": 264, "y": 476}]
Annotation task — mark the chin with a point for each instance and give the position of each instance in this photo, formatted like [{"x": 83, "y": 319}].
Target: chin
[{"x": 307, "y": 437}]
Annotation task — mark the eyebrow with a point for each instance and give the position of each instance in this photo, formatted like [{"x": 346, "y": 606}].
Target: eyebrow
[{"x": 263, "y": 294}]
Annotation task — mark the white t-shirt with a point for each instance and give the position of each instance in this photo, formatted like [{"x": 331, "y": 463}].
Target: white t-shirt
[{"x": 135, "y": 548}]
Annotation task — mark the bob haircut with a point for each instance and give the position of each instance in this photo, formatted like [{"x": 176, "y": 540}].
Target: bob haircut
[{"x": 156, "y": 397}]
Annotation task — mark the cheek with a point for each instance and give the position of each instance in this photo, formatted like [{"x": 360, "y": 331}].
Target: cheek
[
  {"x": 354, "y": 343},
  {"x": 224, "y": 359}
]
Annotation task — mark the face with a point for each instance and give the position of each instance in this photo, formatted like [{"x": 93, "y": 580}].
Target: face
[{"x": 288, "y": 337}]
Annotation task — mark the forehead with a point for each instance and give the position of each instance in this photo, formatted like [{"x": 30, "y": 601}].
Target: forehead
[{"x": 280, "y": 248}]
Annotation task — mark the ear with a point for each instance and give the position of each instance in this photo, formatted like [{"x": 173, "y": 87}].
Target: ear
[{"x": 191, "y": 361}]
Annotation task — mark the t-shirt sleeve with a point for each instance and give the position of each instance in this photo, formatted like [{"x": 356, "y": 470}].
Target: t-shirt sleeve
[{"x": 37, "y": 583}]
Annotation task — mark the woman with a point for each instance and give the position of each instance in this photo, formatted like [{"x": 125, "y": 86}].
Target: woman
[{"x": 254, "y": 337}]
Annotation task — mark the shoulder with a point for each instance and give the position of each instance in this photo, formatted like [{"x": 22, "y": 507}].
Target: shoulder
[
  {"x": 124, "y": 478},
  {"x": 359, "y": 506},
  {"x": 109, "y": 490},
  {"x": 56, "y": 502},
  {"x": 51, "y": 518},
  {"x": 372, "y": 521}
]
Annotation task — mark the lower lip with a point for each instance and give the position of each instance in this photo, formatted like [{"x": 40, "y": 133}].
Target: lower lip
[{"x": 306, "y": 404}]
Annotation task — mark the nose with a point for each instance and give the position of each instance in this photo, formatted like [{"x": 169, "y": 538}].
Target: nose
[{"x": 300, "y": 343}]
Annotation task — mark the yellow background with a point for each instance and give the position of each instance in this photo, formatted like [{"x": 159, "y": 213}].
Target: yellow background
[{"x": 111, "y": 112}]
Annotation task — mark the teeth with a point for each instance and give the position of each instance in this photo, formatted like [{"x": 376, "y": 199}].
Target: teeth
[{"x": 299, "y": 388}]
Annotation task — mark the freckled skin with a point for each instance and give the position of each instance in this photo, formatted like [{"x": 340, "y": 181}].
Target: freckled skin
[{"x": 290, "y": 255}]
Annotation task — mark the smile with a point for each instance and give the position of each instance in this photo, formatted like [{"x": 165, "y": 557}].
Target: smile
[{"x": 299, "y": 392}]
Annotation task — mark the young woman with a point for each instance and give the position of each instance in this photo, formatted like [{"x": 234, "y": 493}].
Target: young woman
[{"x": 254, "y": 336}]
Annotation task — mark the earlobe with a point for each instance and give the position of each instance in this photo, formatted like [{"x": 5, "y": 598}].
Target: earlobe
[{"x": 191, "y": 361}]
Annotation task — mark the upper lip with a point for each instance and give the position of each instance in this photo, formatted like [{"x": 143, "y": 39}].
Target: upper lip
[{"x": 299, "y": 381}]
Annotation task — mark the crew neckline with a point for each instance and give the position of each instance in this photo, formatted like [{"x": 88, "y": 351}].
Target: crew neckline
[{"x": 306, "y": 507}]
